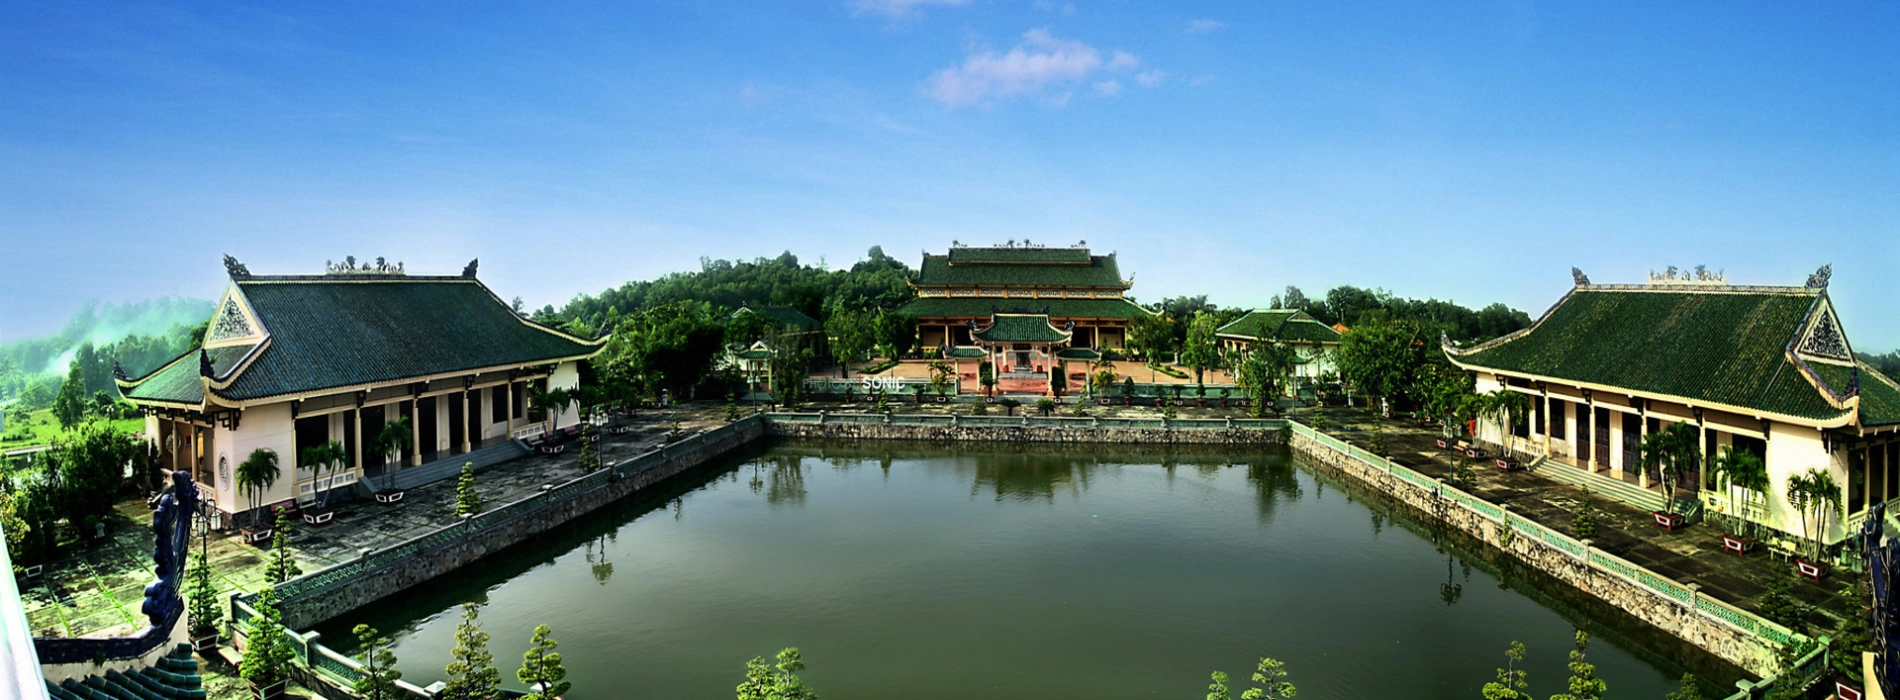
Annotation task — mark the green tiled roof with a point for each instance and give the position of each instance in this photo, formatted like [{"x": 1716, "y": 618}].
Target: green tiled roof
[
  {"x": 938, "y": 307},
  {"x": 1879, "y": 398},
  {"x": 967, "y": 352},
  {"x": 755, "y": 354},
  {"x": 1078, "y": 354},
  {"x": 1717, "y": 347},
  {"x": 1021, "y": 328},
  {"x": 1023, "y": 268},
  {"x": 1019, "y": 256},
  {"x": 327, "y": 333},
  {"x": 1290, "y": 325},
  {"x": 788, "y": 318},
  {"x": 177, "y": 381}
]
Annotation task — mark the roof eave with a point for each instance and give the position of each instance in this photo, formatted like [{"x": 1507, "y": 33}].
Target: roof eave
[{"x": 1845, "y": 419}]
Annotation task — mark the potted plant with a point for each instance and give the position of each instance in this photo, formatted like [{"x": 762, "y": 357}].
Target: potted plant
[
  {"x": 255, "y": 475},
  {"x": 266, "y": 661},
  {"x": 1815, "y": 495},
  {"x": 391, "y": 442},
  {"x": 202, "y": 612},
  {"x": 1742, "y": 473},
  {"x": 1670, "y": 452},
  {"x": 325, "y": 461}
]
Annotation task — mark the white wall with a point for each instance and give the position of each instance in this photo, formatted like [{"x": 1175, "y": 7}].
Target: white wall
[{"x": 261, "y": 427}]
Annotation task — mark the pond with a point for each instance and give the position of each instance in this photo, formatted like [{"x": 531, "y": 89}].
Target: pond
[{"x": 901, "y": 570}]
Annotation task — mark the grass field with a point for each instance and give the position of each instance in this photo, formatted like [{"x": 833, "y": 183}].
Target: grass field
[{"x": 42, "y": 429}]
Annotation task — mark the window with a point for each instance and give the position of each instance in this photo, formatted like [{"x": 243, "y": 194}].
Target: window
[
  {"x": 1557, "y": 420},
  {"x": 1537, "y": 415}
]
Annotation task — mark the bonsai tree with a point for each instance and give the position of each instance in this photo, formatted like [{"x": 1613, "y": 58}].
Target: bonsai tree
[
  {"x": 202, "y": 611},
  {"x": 986, "y": 375},
  {"x": 1045, "y": 406},
  {"x": 1740, "y": 469},
  {"x": 541, "y": 667},
  {"x": 468, "y": 501},
  {"x": 379, "y": 673},
  {"x": 1058, "y": 379},
  {"x": 778, "y": 681},
  {"x": 1104, "y": 376},
  {"x": 324, "y": 460},
  {"x": 282, "y": 567},
  {"x": 1009, "y": 405},
  {"x": 1128, "y": 390},
  {"x": 1671, "y": 452},
  {"x": 267, "y": 656},
  {"x": 255, "y": 475},
  {"x": 940, "y": 373},
  {"x": 472, "y": 674},
  {"x": 394, "y": 439}
]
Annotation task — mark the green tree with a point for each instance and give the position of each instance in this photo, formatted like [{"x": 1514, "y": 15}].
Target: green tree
[
  {"x": 1381, "y": 359},
  {"x": 1690, "y": 689},
  {"x": 1512, "y": 682},
  {"x": 1584, "y": 683},
  {"x": 202, "y": 612},
  {"x": 379, "y": 674},
  {"x": 1150, "y": 334},
  {"x": 267, "y": 655},
  {"x": 255, "y": 475},
  {"x": 1816, "y": 496},
  {"x": 283, "y": 566},
  {"x": 550, "y": 404},
  {"x": 541, "y": 667},
  {"x": 1263, "y": 374},
  {"x": 1671, "y": 452},
  {"x": 1271, "y": 675},
  {"x": 472, "y": 673},
  {"x": 1583, "y": 523},
  {"x": 1740, "y": 469},
  {"x": 90, "y": 467},
  {"x": 1217, "y": 690},
  {"x": 394, "y": 439},
  {"x": 324, "y": 460},
  {"x": 852, "y": 335},
  {"x": 776, "y": 681},
  {"x": 70, "y": 404},
  {"x": 986, "y": 375},
  {"x": 1201, "y": 351},
  {"x": 940, "y": 377},
  {"x": 468, "y": 501}
]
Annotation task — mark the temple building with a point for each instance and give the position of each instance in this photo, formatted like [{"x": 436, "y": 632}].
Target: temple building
[
  {"x": 1076, "y": 292},
  {"x": 1766, "y": 370},
  {"x": 292, "y": 361},
  {"x": 1312, "y": 342}
]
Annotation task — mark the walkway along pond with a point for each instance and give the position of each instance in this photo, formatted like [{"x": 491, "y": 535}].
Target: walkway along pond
[{"x": 424, "y": 559}]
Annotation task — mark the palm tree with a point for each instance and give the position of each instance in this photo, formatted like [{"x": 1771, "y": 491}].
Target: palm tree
[
  {"x": 324, "y": 459},
  {"x": 550, "y": 404},
  {"x": 1816, "y": 492},
  {"x": 256, "y": 475},
  {"x": 1504, "y": 406},
  {"x": 394, "y": 439},
  {"x": 1671, "y": 452},
  {"x": 1740, "y": 469}
]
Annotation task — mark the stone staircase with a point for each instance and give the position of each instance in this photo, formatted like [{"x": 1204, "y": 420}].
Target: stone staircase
[
  {"x": 1600, "y": 484},
  {"x": 175, "y": 676},
  {"x": 447, "y": 467}
]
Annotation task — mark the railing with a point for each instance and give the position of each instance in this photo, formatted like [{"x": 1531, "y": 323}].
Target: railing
[
  {"x": 1025, "y": 420},
  {"x": 1631, "y": 573},
  {"x": 19, "y": 662}
]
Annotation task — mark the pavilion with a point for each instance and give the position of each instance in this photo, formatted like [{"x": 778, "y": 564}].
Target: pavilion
[
  {"x": 291, "y": 361},
  {"x": 1078, "y": 292},
  {"x": 1313, "y": 342},
  {"x": 1766, "y": 370}
]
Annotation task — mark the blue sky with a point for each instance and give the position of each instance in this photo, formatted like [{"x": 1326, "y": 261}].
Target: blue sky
[{"x": 1465, "y": 150}]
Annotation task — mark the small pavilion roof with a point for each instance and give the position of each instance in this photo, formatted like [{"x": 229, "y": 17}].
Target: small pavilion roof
[
  {"x": 1021, "y": 328},
  {"x": 790, "y": 319},
  {"x": 967, "y": 352},
  {"x": 1285, "y": 325}
]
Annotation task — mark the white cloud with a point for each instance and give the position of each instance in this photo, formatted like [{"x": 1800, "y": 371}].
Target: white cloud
[
  {"x": 898, "y": 8},
  {"x": 1203, "y": 26},
  {"x": 1041, "y": 61},
  {"x": 1150, "y": 78},
  {"x": 1108, "y": 88},
  {"x": 1122, "y": 59}
]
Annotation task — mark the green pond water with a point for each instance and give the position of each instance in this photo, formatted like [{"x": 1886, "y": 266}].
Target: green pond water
[{"x": 907, "y": 572}]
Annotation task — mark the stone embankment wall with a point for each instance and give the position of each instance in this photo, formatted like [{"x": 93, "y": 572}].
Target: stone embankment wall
[
  {"x": 370, "y": 586},
  {"x": 1026, "y": 433},
  {"x": 1745, "y": 650}
]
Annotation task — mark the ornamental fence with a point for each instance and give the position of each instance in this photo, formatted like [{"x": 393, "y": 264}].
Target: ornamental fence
[
  {"x": 1630, "y": 573},
  {"x": 1029, "y": 421},
  {"x": 342, "y": 671}
]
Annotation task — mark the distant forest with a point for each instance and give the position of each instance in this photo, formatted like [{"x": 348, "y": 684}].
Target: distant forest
[{"x": 139, "y": 336}]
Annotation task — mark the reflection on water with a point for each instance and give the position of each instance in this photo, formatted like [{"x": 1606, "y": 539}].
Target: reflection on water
[
  {"x": 597, "y": 549},
  {"x": 1273, "y": 482},
  {"x": 781, "y": 477},
  {"x": 1023, "y": 477}
]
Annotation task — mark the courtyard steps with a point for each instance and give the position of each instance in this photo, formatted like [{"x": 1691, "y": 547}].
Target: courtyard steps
[
  {"x": 1602, "y": 485},
  {"x": 446, "y": 467}
]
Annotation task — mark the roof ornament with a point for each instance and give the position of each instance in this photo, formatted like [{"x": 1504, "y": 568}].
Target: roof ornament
[
  {"x": 1853, "y": 383},
  {"x": 380, "y": 267},
  {"x": 469, "y": 271},
  {"x": 1700, "y": 274},
  {"x": 1577, "y": 277},
  {"x": 234, "y": 268},
  {"x": 118, "y": 371},
  {"x": 204, "y": 364},
  {"x": 1819, "y": 279},
  {"x": 1444, "y": 339}
]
